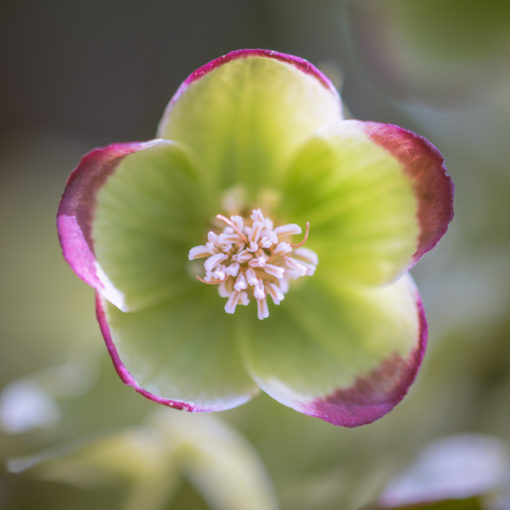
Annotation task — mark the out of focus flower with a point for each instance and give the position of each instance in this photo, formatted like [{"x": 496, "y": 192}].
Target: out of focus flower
[
  {"x": 153, "y": 457},
  {"x": 253, "y": 147},
  {"x": 469, "y": 471}
]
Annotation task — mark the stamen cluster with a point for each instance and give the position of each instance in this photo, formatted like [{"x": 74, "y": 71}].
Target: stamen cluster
[{"x": 251, "y": 259}]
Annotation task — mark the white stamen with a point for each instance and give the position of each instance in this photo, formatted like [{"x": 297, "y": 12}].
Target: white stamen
[
  {"x": 307, "y": 255},
  {"x": 282, "y": 249},
  {"x": 262, "y": 309},
  {"x": 229, "y": 238},
  {"x": 242, "y": 257},
  {"x": 219, "y": 273},
  {"x": 223, "y": 291},
  {"x": 265, "y": 243},
  {"x": 212, "y": 237},
  {"x": 255, "y": 231},
  {"x": 257, "y": 215},
  {"x": 275, "y": 293},
  {"x": 270, "y": 235},
  {"x": 233, "y": 269},
  {"x": 268, "y": 224},
  {"x": 238, "y": 222},
  {"x": 259, "y": 261},
  {"x": 295, "y": 266},
  {"x": 198, "y": 252},
  {"x": 288, "y": 230},
  {"x": 273, "y": 270},
  {"x": 250, "y": 259},
  {"x": 212, "y": 261},
  {"x": 251, "y": 277},
  {"x": 241, "y": 283},
  {"x": 258, "y": 290},
  {"x": 231, "y": 304},
  {"x": 310, "y": 268}
]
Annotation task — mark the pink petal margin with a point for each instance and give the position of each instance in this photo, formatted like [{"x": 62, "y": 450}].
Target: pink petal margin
[
  {"x": 300, "y": 63},
  {"x": 424, "y": 165},
  {"x": 375, "y": 394},
  {"x": 77, "y": 206},
  {"x": 125, "y": 375}
]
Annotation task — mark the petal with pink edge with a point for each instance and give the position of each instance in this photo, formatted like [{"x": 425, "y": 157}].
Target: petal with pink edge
[
  {"x": 424, "y": 166},
  {"x": 347, "y": 356},
  {"x": 179, "y": 353},
  {"x": 377, "y": 197},
  {"x": 243, "y": 115},
  {"x": 77, "y": 206},
  {"x": 127, "y": 218}
]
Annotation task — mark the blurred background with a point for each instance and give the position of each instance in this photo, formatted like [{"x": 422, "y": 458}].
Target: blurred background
[{"x": 81, "y": 74}]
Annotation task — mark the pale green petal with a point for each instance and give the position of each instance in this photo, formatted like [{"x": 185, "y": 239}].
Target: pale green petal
[
  {"x": 346, "y": 355},
  {"x": 180, "y": 353},
  {"x": 148, "y": 214},
  {"x": 244, "y": 119},
  {"x": 360, "y": 204}
]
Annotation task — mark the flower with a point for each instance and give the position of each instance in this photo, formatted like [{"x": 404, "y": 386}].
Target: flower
[
  {"x": 251, "y": 148},
  {"x": 465, "y": 470},
  {"x": 152, "y": 457}
]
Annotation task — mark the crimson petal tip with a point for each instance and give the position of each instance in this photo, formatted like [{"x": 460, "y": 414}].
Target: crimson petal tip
[
  {"x": 374, "y": 395},
  {"x": 424, "y": 165},
  {"x": 298, "y": 62}
]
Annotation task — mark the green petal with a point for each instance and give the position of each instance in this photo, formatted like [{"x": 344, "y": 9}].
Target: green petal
[
  {"x": 243, "y": 115},
  {"x": 180, "y": 353},
  {"x": 373, "y": 210},
  {"x": 148, "y": 214},
  {"x": 346, "y": 355}
]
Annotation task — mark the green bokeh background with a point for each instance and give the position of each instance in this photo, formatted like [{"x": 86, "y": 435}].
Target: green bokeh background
[{"x": 81, "y": 74}]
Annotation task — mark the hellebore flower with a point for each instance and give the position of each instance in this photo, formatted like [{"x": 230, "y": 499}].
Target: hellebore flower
[{"x": 252, "y": 148}]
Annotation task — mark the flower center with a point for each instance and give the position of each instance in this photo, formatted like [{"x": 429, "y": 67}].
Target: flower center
[{"x": 252, "y": 259}]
